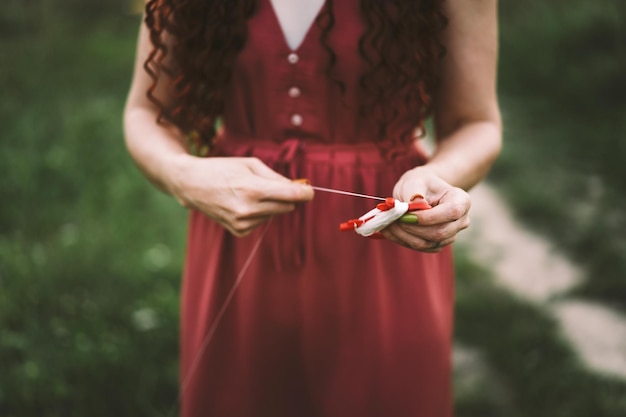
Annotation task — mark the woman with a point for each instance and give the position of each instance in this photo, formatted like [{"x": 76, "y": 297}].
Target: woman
[{"x": 282, "y": 314}]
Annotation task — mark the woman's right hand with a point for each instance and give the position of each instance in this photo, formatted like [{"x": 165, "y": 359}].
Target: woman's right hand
[{"x": 238, "y": 193}]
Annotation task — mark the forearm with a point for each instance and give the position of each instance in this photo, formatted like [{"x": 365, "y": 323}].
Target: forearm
[
  {"x": 464, "y": 157},
  {"x": 466, "y": 114},
  {"x": 157, "y": 150}
]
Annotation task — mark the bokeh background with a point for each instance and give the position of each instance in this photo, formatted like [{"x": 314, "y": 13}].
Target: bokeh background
[{"x": 90, "y": 253}]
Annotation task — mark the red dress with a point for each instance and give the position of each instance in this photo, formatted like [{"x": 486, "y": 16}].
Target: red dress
[{"x": 324, "y": 323}]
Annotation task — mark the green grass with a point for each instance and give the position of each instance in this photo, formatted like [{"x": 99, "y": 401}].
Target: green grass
[{"x": 90, "y": 252}]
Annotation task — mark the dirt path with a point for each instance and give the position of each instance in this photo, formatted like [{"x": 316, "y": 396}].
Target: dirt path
[{"x": 532, "y": 269}]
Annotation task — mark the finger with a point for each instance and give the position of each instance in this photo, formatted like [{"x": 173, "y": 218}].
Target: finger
[
  {"x": 279, "y": 188},
  {"x": 245, "y": 227},
  {"x": 261, "y": 209},
  {"x": 237, "y": 227},
  {"x": 452, "y": 207},
  {"x": 436, "y": 247},
  {"x": 418, "y": 243},
  {"x": 286, "y": 192},
  {"x": 437, "y": 232}
]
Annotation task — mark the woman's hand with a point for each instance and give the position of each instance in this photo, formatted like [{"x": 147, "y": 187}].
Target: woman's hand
[
  {"x": 238, "y": 193},
  {"x": 437, "y": 227}
]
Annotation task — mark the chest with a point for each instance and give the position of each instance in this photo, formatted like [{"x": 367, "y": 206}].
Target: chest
[
  {"x": 295, "y": 18},
  {"x": 267, "y": 56}
]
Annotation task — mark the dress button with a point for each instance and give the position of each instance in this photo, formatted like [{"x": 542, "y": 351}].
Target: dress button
[
  {"x": 296, "y": 120},
  {"x": 293, "y": 58},
  {"x": 294, "y": 92}
]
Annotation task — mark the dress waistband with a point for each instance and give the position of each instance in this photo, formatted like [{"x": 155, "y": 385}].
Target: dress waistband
[{"x": 291, "y": 149}]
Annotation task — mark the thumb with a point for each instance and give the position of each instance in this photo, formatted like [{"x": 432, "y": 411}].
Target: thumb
[{"x": 278, "y": 187}]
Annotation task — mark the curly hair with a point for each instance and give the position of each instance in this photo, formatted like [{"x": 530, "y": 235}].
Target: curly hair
[{"x": 401, "y": 47}]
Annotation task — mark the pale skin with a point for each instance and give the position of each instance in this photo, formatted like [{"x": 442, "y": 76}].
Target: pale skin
[{"x": 243, "y": 193}]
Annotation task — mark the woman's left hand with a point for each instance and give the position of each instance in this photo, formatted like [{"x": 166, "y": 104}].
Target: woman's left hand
[{"x": 436, "y": 227}]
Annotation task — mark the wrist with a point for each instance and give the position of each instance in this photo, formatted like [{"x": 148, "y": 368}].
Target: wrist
[{"x": 177, "y": 176}]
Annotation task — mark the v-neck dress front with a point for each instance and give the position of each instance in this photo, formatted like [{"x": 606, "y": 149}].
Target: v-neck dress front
[{"x": 324, "y": 323}]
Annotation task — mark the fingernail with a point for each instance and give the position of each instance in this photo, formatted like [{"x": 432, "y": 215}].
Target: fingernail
[
  {"x": 304, "y": 181},
  {"x": 409, "y": 219}
]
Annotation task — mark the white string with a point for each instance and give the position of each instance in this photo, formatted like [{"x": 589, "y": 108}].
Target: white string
[
  {"x": 331, "y": 190},
  {"x": 218, "y": 318},
  {"x": 379, "y": 219}
]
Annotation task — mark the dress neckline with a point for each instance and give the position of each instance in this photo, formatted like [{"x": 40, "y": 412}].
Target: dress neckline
[{"x": 281, "y": 32}]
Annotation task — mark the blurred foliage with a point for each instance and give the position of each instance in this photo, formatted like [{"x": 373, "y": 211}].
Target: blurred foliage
[
  {"x": 90, "y": 253},
  {"x": 563, "y": 94},
  {"x": 531, "y": 370}
]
